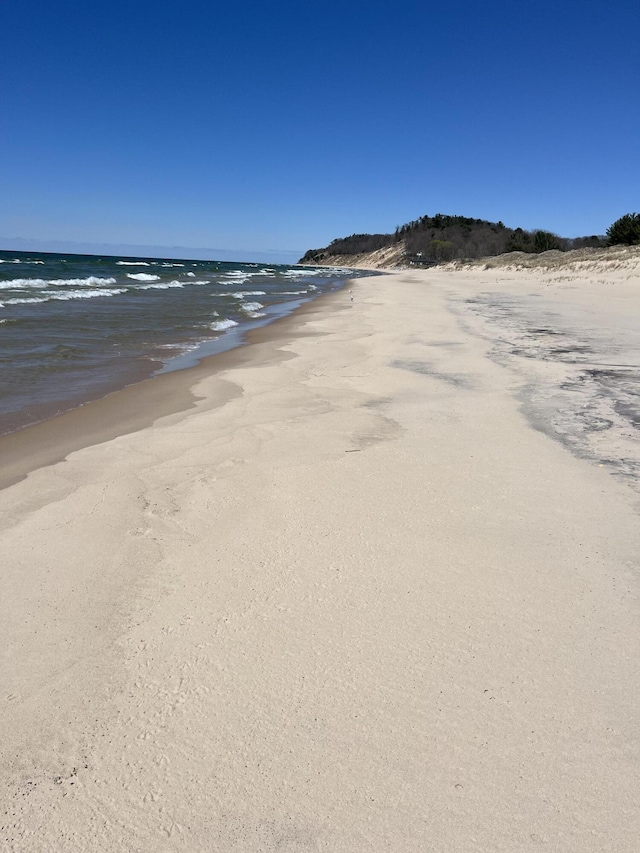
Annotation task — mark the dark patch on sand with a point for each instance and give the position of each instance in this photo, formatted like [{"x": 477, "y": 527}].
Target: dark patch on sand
[
  {"x": 456, "y": 380},
  {"x": 377, "y": 402}
]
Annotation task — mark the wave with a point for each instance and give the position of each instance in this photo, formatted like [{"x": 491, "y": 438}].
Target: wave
[
  {"x": 221, "y": 325},
  {"x": 235, "y": 281},
  {"x": 63, "y": 297},
  {"x": 324, "y": 271},
  {"x": 142, "y": 276},
  {"x": 264, "y": 272},
  {"x": 91, "y": 281},
  {"x": 251, "y": 307},
  {"x": 241, "y": 295},
  {"x": 132, "y": 264},
  {"x": 21, "y": 283},
  {"x": 171, "y": 265},
  {"x": 292, "y": 273},
  {"x": 90, "y": 294},
  {"x": 236, "y": 274},
  {"x": 181, "y": 346},
  {"x": 165, "y": 285}
]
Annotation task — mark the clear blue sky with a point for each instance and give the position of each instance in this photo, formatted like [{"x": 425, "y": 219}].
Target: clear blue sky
[{"x": 279, "y": 126}]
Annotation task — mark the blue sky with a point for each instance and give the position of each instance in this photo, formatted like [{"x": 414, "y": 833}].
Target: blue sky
[{"x": 275, "y": 127}]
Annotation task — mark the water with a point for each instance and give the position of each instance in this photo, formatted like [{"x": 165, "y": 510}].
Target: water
[{"x": 75, "y": 327}]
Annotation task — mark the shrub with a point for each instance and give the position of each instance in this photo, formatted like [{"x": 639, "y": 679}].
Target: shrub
[{"x": 625, "y": 231}]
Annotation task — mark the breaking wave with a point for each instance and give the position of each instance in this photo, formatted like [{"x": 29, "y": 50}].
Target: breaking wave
[
  {"x": 221, "y": 325},
  {"x": 143, "y": 276},
  {"x": 21, "y": 283}
]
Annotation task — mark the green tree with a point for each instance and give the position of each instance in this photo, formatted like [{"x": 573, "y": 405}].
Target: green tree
[
  {"x": 625, "y": 231},
  {"x": 543, "y": 241},
  {"x": 442, "y": 250}
]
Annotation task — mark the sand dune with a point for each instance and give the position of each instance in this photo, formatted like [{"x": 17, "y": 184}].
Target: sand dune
[{"x": 376, "y": 590}]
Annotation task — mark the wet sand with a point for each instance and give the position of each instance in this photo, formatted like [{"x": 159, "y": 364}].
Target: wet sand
[
  {"x": 368, "y": 586},
  {"x": 133, "y": 408}
]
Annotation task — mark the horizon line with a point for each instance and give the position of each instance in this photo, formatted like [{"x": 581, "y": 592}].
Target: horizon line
[{"x": 140, "y": 249}]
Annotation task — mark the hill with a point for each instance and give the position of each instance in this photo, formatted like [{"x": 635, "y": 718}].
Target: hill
[{"x": 439, "y": 239}]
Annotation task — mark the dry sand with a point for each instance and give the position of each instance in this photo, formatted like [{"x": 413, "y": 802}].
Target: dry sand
[{"x": 376, "y": 590}]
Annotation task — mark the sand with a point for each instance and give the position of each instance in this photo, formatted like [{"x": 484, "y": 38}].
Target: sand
[{"x": 373, "y": 588}]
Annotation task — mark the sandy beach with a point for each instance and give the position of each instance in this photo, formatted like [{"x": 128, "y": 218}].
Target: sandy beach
[{"x": 367, "y": 584}]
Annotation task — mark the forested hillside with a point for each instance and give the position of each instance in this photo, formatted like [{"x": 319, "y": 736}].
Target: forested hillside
[{"x": 439, "y": 238}]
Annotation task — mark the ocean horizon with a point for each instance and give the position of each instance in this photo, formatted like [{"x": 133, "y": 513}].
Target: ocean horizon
[
  {"x": 75, "y": 327},
  {"x": 25, "y": 245}
]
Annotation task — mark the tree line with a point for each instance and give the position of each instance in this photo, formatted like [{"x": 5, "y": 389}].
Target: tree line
[{"x": 433, "y": 239}]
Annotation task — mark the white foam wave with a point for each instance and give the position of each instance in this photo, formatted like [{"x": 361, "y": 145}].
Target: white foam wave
[
  {"x": 191, "y": 274},
  {"x": 292, "y": 292},
  {"x": 235, "y": 281},
  {"x": 171, "y": 265},
  {"x": 251, "y": 307},
  {"x": 221, "y": 325},
  {"x": 91, "y": 281},
  {"x": 241, "y": 295},
  {"x": 303, "y": 273},
  {"x": 239, "y": 274},
  {"x": 142, "y": 276},
  {"x": 132, "y": 264},
  {"x": 64, "y": 297},
  {"x": 166, "y": 285},
  {"x": 298, "y": 273},
  {"x": 21, "y": 283},
  {"x": 89, "y": 294}
]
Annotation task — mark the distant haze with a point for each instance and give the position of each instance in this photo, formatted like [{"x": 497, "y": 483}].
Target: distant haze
[{"x": 275, "y": 256}]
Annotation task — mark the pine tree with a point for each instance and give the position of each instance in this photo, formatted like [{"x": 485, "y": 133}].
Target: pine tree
[{"x": 625, "y": 231}]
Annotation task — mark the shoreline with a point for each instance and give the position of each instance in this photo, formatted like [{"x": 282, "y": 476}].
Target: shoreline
[
  {"x": 352, "y": 599},
  {"x": 137, "y": 405},
  {"x": 76, "y": 329}
]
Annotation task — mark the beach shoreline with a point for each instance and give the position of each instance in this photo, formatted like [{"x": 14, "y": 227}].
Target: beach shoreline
[
  {"x": 347, "y": 594},
  {"x": 137, "y": 405},
  {"x": 77, "y": 328}
]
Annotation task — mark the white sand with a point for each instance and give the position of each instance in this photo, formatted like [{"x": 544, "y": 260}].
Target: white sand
[{"x": 362, "y": 606}]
